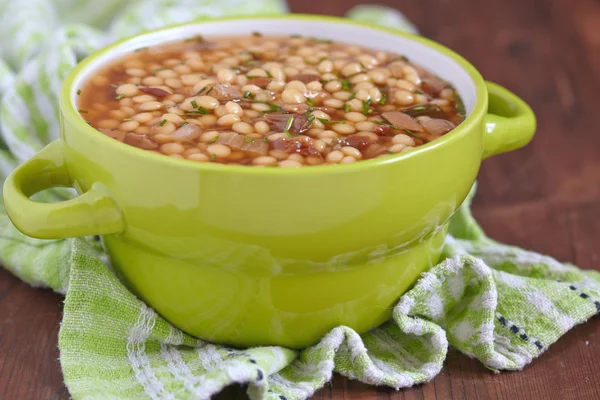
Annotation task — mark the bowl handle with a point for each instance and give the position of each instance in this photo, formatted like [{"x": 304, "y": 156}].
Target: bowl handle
[
  {"x": 509, "y": 123},
  {"x": 93, "y": 213}
]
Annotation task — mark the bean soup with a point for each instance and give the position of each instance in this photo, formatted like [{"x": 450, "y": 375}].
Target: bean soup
[{"x": 269, "y": 101}]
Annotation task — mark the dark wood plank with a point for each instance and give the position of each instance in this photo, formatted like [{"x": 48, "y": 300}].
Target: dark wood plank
[{"x": 545, "y": 197}]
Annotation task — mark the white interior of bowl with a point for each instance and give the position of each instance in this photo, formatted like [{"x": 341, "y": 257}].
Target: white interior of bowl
[{"x": 431, "y": 59}]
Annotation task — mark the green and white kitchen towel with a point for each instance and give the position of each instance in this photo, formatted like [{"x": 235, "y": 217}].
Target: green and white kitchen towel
[{"x": 498, "y": 303}]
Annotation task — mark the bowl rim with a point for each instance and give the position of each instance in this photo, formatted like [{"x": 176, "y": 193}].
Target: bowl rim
[{"x": 69, "y": 110}]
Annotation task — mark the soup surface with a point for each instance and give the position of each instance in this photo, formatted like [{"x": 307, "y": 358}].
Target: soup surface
[{"x": 269, "y": 101}]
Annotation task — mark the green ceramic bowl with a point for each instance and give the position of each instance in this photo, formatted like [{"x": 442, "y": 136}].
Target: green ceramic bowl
[{"x": 255, "y": 256}]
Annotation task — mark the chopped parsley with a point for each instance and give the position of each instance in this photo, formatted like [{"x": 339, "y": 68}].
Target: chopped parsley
[
  {"x": 182, "y": 125},
  {"x": 194, "y": 104},
  {"x": 248, "y": 139},
  {"x": 214, "y": 140},
  {"x": 83, "y": 111},
  {"x": 78, "y": 92},
  {"x": 163, "y": 122},
  {"x": 383, "y": 99},
  {"x": 310, "y": 118},
  {"x": 213, "y": 157},
  {"x": 248, "y": 95},
  {"x": 265, "y": 140},
  {"x": 310, "y": 101},
  {"x": 346, "y": 85},
  {"x": 210, "y": 90},
  {"x": 352, "y": 96},
  {"x": 404, "y": 58},
  {"x": 127, "y": 119},
  {"x": 269, "y": 74},
  {"x": 417, "y": 91},
  {"x": 418, "y": 108},
  {"x": 347, "y": 108}
]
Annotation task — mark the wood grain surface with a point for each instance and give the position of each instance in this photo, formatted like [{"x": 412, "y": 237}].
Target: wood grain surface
[{"x": 545, "y": 197}]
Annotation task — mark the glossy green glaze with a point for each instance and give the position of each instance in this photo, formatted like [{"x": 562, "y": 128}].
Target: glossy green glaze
[{"x": 248, "y": 256}]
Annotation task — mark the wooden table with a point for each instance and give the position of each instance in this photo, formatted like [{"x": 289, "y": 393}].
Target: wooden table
[{"x": 545, "y": 197}]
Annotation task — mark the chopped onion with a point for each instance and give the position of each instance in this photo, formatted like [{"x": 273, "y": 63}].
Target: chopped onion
[
  {"x": 374, "y": 150},
  {"x": 154, "y": 91},
  {"x": 278, "y": 122},
  {"x": 141, "y": 141},
  {"x": 402, "y": 120},
  {"x": 437, "y": 126},
  {"x": 240, "y": 142},
  {"x": 306, "y": 78},
  {"x": 187, "y": 132},
  {"x": 224, "y": 92}
]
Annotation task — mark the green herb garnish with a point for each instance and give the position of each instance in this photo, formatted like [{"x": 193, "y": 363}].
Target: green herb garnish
[
  {"x": 213, "y": 157},
  {"x": 404, "y": 58},
  {"x": 460, "y": 106},
  {"x": 248, "y": 95},
  {"x": 347, "y": 108},
  {"x": 366, "y": 106},
  {"x": 194, "y": 104},
  {"x": 265, "y": 140},
  {"x": 328, "y": 122},
  {"x": 200, "y": 110},
  {"x": 268, "y": 74},
  {"x": 197, "y": 38},
  {"x": 78, "y": 92},
  {"x": 273, "y": 107},
  {"x": 346, "y": 85},
  {"x": 158, "y": 69},
  {"x": 248, "y": 139},
  {"x": 163, "y": 122},
  {"x": 352, "y": 96},
  {"x": 83, "y": 111},
  {"x": 288, "y": 125},
  {"x": 183, "y": 124},
  {"x": 324, "y": 41},
  {"x": 417, "y": 91},
  {"x": 418, "y": 108},
  {"x": 201, "y": 90},
  {"x": 214, "y": 140},
  {"x": 127, "y": 119},
  {"x": 310, "y": 118},
  {"x": 383, "y": 99},
  {"x": 310, "y": 101},
  {"x": 209, "y": 90},
  {"x": 411, "y": 133}
]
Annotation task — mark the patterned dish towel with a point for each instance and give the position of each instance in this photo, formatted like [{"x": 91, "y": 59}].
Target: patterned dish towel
[{"x": 498, "y": 303}]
